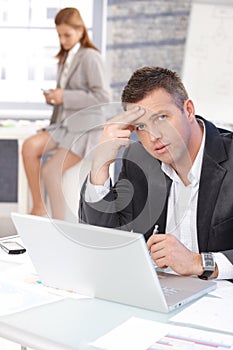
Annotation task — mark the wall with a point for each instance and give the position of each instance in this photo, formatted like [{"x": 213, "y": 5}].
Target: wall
[
  {"x": 144, "y": 32},
  {"x": 208, "y": 59}
]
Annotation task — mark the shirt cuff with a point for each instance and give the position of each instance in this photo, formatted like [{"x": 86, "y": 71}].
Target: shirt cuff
[
  {"x": 225, "y": 267},
  {"x": 94, "y": 193}
]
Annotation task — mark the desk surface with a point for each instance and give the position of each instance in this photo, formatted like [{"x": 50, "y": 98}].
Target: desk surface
[
  {"x": 70, "y": 324},
  {"x": 66, "y": 324}
]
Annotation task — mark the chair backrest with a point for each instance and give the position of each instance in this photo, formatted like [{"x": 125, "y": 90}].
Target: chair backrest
[{"x": 72, "y": 183}]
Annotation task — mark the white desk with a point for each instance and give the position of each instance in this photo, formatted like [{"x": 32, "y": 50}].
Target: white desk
[
  {"x": 66, "y": 324},
  {"x": 70, "y": 324}
]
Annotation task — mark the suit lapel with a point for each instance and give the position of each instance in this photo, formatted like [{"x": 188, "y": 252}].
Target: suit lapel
[
  {"x": 163, "y": 217},
  {"x": 211, "y": 179},
  {"x": 159, "y": 187},
  {"x": 60, "y": 69}
]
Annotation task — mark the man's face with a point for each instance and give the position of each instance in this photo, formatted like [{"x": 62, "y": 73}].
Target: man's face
[{"x": 165, "y": 130}]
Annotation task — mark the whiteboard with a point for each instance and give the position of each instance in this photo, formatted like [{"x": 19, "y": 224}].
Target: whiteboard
[{"x": 208, "y": 61}]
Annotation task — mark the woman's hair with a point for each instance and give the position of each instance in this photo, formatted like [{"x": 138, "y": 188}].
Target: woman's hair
[
  {"x": 147, "y": 79},
  {"x": 71, "y": 16}
]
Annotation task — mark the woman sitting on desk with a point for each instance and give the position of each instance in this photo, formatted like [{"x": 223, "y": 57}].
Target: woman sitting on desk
[{"x": 81, "y": 83}]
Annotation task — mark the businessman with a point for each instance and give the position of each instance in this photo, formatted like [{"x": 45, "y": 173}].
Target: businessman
[{"x": 179, "y": 176}]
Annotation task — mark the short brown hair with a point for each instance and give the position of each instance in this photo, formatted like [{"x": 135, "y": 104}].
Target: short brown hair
[{"x": 147, "y": 79}]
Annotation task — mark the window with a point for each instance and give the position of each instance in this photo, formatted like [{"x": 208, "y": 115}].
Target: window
[{"x": 29, "y": 43}]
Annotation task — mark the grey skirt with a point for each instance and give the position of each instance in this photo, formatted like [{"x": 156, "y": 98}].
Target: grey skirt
[{"x": 79, "y": 143}]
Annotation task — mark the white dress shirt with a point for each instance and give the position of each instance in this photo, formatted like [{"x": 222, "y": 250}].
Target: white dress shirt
[
  {"x": 182, "y": 208},
  {"x": 72, "y": 52}
]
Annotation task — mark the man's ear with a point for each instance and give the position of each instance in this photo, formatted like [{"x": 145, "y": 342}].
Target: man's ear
[{"x": 189, "y": 109}]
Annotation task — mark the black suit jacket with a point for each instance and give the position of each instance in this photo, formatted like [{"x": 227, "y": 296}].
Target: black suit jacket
[{"x": 138, "y": 200}]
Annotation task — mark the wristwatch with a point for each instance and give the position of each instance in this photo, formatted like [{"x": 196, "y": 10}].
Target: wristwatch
[{"x": 208, "y": 264}]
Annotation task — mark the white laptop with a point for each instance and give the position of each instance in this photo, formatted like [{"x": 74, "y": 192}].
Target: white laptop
[{"x": 104, "y": 263}]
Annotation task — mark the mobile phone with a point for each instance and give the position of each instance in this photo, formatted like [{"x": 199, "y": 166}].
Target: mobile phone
[
  {"x": 12, "y": 247},
  {"x": 46, "y": 91}
]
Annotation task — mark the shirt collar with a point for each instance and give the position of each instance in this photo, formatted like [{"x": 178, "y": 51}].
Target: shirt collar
[
  {"x": 72, "y": 52},
  {"x": 195, "y": 172}
]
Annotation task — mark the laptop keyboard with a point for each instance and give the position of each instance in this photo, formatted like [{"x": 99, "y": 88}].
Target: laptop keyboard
[{"x": 169, "y": 291}]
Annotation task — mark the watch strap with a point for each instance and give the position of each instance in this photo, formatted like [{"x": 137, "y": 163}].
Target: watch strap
[{"x": 206, "y": 275}]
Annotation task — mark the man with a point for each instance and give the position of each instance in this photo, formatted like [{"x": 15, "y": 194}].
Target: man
[{"x": 179, "y": 177}]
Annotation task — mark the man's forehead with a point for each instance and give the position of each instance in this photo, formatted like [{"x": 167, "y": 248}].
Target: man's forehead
[
  {"x": 155, "y": 101},
  {"x": 149, "y": 113}
]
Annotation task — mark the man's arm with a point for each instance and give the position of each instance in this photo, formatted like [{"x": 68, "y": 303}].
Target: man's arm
[
  {"x": 116, "y": 134},
  {"x": 99, "y": 213}
]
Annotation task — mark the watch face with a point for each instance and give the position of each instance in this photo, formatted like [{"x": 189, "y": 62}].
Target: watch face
[{"x": 208, "y": 262}]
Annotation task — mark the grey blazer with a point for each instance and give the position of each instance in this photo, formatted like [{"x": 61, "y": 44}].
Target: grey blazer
[
  {"x": 86, "y": 85},
  {"x": 138, "y": 201}
]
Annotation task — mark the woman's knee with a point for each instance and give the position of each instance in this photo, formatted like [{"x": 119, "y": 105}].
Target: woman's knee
[
  {"x": 31, "y": 147},
  {"x": 50, "y": 171},
  {"x": 34, "y": 146}
]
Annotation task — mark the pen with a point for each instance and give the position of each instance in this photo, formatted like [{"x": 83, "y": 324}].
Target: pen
[{"x": 156, "y": 229}]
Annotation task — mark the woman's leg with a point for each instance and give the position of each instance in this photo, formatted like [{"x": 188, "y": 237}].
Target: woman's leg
[
  {"x": 52, "y": 173},
  {"x": 32, "y": 150}
]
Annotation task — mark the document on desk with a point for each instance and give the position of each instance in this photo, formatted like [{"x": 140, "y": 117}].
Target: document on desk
[
  {"x": 15, "y": 298},
  {"x": 140, "y": 334},
  {"x": 213, "y": 311},
  {"x": 20, "y": 289},
  {"x": 26, "y": 277}
]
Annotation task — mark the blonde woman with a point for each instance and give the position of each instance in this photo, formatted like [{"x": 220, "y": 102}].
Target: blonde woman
[{"x": 81, "y": 83}]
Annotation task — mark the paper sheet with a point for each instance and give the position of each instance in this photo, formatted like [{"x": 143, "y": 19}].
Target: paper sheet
[
  {"x": 15, "y": 299},
  {"x": 140, "y": 334},
  {"x": 210, "y": 312},
  {"x": 224, "y": 291},
  {"x": 15, "y": 293},
  {"x": 25, "y": 277},
  {"x": 20, "y": 287},
  {"x": 135, "y": 334}
]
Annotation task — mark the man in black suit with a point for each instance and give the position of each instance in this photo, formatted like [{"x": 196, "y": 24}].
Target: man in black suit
[{"x": 179, "y": 177}]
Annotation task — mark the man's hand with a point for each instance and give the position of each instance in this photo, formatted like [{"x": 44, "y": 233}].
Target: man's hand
[
  {"x": 116, "y": 134},
  {"x": 167, "y": 251}
]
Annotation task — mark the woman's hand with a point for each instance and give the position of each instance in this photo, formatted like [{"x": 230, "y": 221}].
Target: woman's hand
[{"x": 55, "y": 96}]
